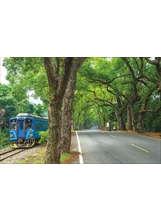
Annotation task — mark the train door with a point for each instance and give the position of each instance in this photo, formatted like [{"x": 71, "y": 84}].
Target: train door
[{"x": 21, "y": 130}]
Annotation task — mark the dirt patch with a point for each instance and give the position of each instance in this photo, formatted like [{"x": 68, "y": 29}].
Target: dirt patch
[{"x": 74, "y": 156}]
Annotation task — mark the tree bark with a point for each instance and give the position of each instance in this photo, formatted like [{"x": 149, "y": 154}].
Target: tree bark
[
  {"x": 120, "y": 122},
  {"x": 120, "y": 111},
  {"x": 129, "y": 119},
  {"x": 133, "y": 116},
  {"x": 57, "y": 86},
  {"x": 61, "y": 79},
  {"x": 141, "y": 122},
  {"x": 2, "y": 120},
  {"x": 68, "y": 107}
]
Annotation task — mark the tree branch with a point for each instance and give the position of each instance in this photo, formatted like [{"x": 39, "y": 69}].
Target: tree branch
[
  {"x": 50, "y": 70},
  {"x": 152, "y": 62}
]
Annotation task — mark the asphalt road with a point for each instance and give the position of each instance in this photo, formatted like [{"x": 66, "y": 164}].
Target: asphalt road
[{"x": 115, "y": 148}]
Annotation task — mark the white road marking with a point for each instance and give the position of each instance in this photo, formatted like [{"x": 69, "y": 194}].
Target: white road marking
[{"x": 80, "y": 150}]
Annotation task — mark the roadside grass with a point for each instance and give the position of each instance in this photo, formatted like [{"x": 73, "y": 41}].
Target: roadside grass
[
  {"x": 38, "y": 158},
  {"x": 35, "y": 159}
]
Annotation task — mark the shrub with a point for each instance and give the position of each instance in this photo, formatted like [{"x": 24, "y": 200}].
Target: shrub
[
  {"x": 4, "y": 138},
  {"x": 44, "y": 137}
]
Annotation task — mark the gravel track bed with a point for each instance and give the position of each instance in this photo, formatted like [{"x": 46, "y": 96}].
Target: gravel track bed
[{"x": 21, "y": 156}]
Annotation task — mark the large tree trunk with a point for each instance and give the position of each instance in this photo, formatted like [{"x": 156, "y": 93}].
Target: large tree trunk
[
  {"x": 57, "y": 86},
  {"x": 67, "y": 116},
  {"x": 141, "y": 122},
  {"x": 2, "y": 120},
  {"x": 67, "y": 113},
  {"x": 120, "y": 111},
  {"x": 120, "y": 122},
  {"x": 129, "y": 119},
  {"x": 59, "y": 74},
  {"x": 53, "y": 151},
  {"x": 133, "y": 117}
]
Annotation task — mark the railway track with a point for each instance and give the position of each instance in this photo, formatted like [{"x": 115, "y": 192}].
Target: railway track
[{"x": 10, "y": 153}]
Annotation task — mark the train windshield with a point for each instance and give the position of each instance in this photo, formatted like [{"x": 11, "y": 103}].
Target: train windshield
[{"x": 13, "y": 124}]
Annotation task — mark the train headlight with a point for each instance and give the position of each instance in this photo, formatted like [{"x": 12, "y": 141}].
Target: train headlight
[
  {"x": 11, "y": 135},
  {"x": 31, "y": 135}
]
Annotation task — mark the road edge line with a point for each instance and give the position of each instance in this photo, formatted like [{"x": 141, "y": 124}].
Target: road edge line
[{"x": 79, "y": 149}]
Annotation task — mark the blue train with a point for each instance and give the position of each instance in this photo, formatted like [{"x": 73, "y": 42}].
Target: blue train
[{"x": 25, "y": 128}]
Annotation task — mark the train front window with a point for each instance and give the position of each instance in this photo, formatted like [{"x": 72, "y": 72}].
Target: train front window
[
  {"x": 13, "y": 124},
  {"x": 29, "y": 124}
]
